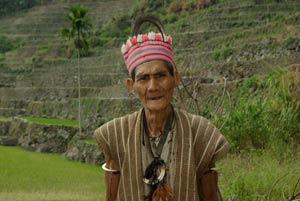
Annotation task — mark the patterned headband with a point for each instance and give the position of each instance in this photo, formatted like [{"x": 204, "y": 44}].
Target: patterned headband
[{"x": 147, "y": 47}]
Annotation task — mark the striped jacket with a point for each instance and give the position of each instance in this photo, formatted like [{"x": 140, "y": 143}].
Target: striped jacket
[{"x": 196, "y": 145}]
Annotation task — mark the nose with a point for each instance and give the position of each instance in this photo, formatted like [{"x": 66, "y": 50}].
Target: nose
[{"x": 153, "y": 84}]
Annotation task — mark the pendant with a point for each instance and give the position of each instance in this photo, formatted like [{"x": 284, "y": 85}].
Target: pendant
[
  {"x": 156, "y": 139},
  {"x": 155, "y": 177},
  {"x": 155, "y": 172}
]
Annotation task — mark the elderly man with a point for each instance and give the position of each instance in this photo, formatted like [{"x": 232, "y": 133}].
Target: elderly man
[{"x": 159, "y": 152}]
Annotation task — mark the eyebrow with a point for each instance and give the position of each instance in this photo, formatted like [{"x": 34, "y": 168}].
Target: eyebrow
[{"x": 156, "y": 73}]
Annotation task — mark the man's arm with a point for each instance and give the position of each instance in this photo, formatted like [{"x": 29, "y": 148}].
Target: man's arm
[
  {"x": 209, "y": 184},
  {"x": 112, "y": 182},
  {"x": 112, "y": 173}
]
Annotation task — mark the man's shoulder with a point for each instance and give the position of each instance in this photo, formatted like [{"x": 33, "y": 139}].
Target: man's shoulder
[
  {"x": 117, "y": 121},
  {"x": 193, "y": 118}
]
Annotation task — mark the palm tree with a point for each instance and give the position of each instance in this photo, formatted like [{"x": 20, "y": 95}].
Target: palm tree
[{"x": 80, "y": 27}]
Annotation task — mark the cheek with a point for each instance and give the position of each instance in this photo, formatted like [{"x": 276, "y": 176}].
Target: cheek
[
  {"x": 139, "y": 92},
  {"x": 169, "y": 94}
]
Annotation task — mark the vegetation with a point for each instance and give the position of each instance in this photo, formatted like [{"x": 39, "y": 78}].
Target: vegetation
[
  {"x": 118, "y": 29},
  {"x": 258, "y": 176},
  {"x": 80, "y": 28},
  {"x": 31, "y": 176},
  {"x": 41, "y": 120},
  {"x": 222, "y": 54},
  {"x": 12, "y": 6},
  {"x": 265, "y": 113},
  {"x": 245, "y": 41},
  {"x": 90, "y": 141},
  {"x": 5, "y": 44},
  {"x": 5, "y": 118},
  {"x": 38, "y": 176}
]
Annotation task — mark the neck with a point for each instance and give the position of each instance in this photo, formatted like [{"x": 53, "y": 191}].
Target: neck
[{"x": 156, "y": 120}]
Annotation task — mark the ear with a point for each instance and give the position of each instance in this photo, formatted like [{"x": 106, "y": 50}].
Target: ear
[
  {"x": 176, "y": 78},
  {"x": 129, "y": 84}
]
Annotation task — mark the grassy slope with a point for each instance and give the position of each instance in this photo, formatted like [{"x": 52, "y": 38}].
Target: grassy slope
[
  {"x": 247, "y": 177},
  {"x": 234, "y": 38},
  {"x": 36, "y": 176},
  {"x": 5, "y": 118},
  {"x": 41, "y": 120},
  {"x": 255, "y": 176}
]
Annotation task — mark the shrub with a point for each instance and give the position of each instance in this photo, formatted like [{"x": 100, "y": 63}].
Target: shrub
[
  {"x": 176, "y": 6},
  {"x": 288, "y": 42},
  {"x": 5, "y": 44},
  {"x": 171, "y": 18},
  {"x": 2, "y": 57},
  {"x": 217, "y": 1},
  {"x": 264, "y": 115},
  {"x": 119, "y": 27},
  {"x": 12, "y": 6},
  {"x": 222, "y": 54}
]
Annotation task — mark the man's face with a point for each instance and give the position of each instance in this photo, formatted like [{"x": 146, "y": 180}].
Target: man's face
[{"x": 154, "y": 85}]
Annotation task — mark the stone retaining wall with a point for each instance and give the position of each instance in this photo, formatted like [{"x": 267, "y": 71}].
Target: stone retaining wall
[{"x": 49, "y": 138}]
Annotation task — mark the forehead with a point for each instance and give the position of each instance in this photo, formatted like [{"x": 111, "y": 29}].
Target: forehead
[{"x": 151, "y": 67}]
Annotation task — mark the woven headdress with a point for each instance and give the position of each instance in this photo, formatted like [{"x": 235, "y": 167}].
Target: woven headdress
[{"x": 141, "y": 48}]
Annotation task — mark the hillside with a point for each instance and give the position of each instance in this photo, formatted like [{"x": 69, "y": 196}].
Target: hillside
[
  {"x": 234, "y": 39},
  {"x": 239, "y": 61},
  {"x": 36, "y": 77}
]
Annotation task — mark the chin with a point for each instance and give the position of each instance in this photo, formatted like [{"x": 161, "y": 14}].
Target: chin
[{"x": 156, "y": 106}]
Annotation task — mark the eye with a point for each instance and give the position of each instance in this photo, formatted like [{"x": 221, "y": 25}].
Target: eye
[
  {"x": 142, "y": 78},
  {"x": 160, "y": 75}
]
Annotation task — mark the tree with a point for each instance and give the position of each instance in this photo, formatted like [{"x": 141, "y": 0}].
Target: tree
[{"x": 79, "y": 30}]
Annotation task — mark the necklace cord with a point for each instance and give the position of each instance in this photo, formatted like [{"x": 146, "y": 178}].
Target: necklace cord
[
  {"x": 157, "y": 163},
  {"x": 163, "y": 136}
]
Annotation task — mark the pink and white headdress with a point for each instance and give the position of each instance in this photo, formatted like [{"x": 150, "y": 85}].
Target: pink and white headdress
[{"x": 146, "y": 47}]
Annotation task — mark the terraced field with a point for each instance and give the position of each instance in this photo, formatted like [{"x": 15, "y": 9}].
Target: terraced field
[{"x": 235, "y": 39}]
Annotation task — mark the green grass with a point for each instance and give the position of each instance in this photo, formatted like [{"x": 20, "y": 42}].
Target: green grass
[
  {"x": 5, "y": 118},
  {"x": 90, "y": 141},
  {"x": 31, "y": 176},
  {"x": 257, "y": 175},
  {"x": 40, "y": 120}
]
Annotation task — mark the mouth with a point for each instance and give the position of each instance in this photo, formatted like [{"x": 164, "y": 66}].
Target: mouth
[{"x": 155, "y": 98}]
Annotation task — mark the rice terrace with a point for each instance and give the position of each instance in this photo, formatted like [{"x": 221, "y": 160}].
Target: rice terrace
[{"x": 240, "y": 68}]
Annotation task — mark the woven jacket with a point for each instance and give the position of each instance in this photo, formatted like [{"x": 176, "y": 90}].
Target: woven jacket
[{"x": 196, "y": 145}]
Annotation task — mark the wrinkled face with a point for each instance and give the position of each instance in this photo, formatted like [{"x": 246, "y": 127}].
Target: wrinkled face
[{"x": 154, "y": 85}]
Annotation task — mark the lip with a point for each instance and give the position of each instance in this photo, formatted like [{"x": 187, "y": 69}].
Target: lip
[{"x": 155, "y": 98}]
